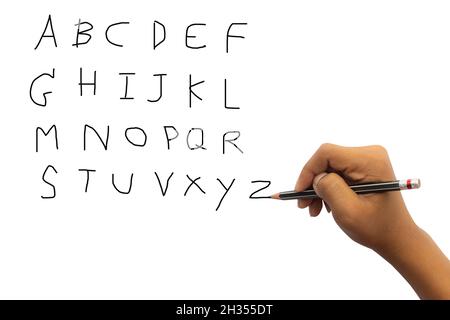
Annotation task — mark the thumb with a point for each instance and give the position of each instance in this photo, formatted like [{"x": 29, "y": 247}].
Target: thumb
[{"x": 332, "y": 189}]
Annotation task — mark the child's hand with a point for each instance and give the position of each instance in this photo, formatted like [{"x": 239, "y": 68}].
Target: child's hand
[
  {"x": 374, "y": 220},
  {"x": 380, "y": 220}
]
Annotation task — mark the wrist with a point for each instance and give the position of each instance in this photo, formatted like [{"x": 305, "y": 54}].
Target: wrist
[
  {"x": 420, "y": 261},
  {"x": 399, "y": 244}
]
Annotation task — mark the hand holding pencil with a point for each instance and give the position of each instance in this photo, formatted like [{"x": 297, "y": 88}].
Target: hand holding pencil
[
  {"x": 359, "y": 188},
  {"x": 377, "y": 220},
  {"x": 331, "y": 170}
]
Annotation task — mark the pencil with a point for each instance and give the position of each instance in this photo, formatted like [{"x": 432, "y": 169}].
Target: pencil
[{"x": 362, "y": 188}]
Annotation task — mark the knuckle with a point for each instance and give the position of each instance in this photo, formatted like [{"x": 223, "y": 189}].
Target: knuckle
[
  {"x": 381, "y": 150},
  {"x": 325, "y": 146},
  {"x": 325, "y": 149}
]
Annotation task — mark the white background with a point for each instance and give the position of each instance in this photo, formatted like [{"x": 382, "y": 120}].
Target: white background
[{"x": 308, "y": 72}]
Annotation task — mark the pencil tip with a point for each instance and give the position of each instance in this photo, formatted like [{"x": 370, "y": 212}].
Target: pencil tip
[{"x": 275, "y": 196}]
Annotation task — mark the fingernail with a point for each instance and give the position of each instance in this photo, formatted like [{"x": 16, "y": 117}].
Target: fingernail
[{"x": 318, "y": 178}]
